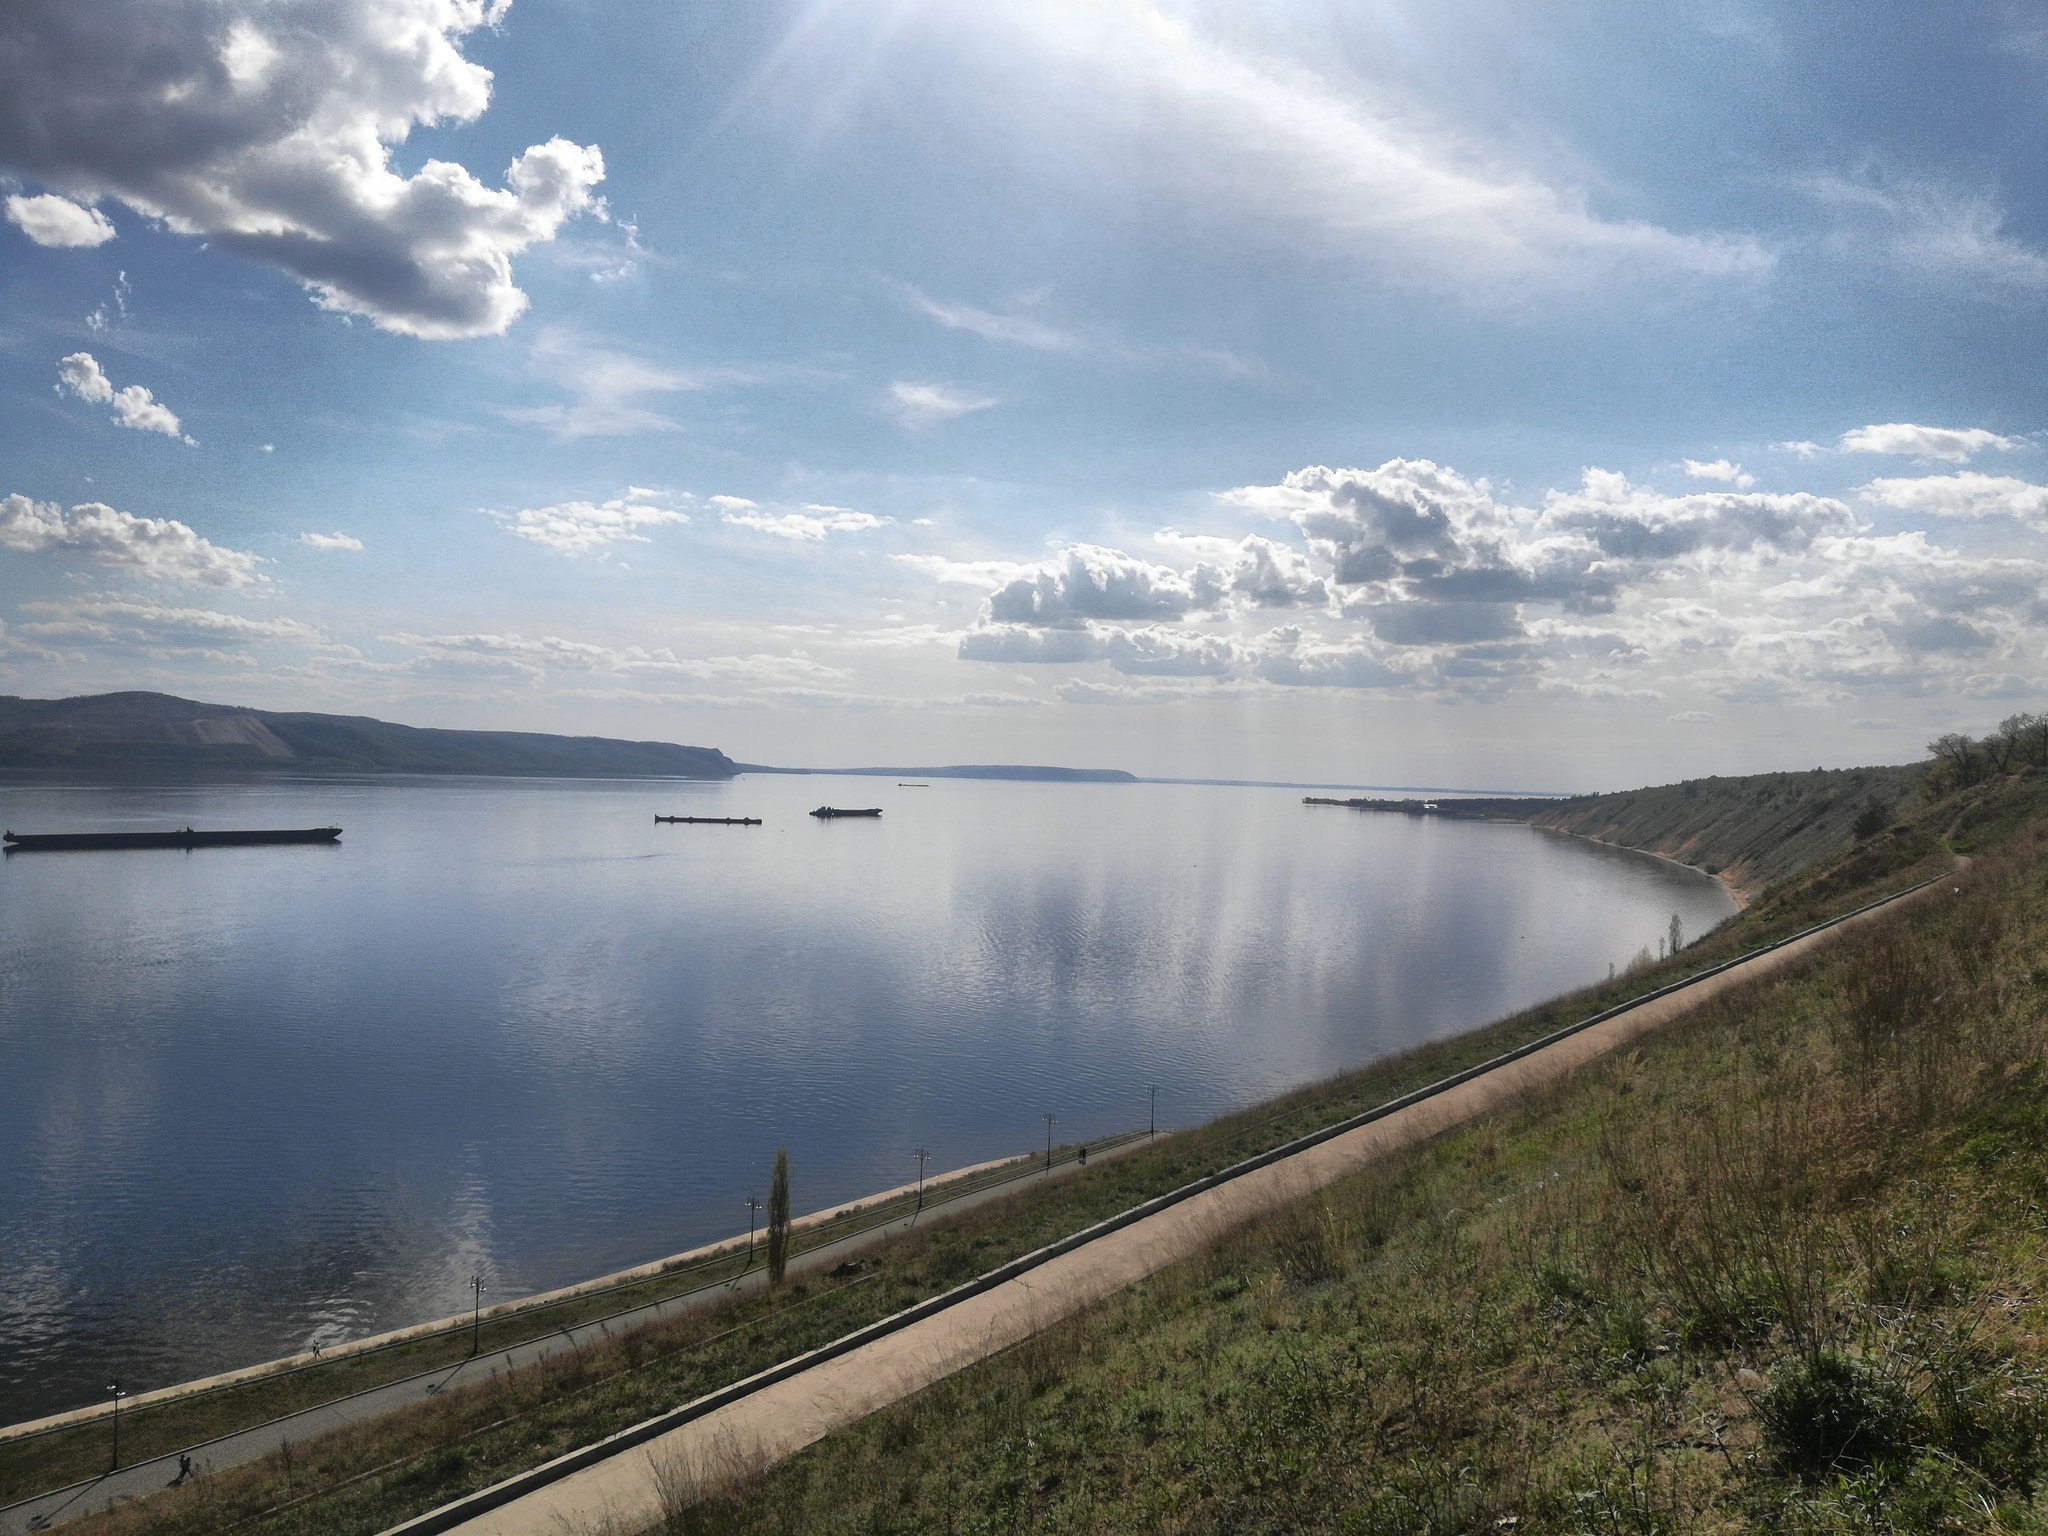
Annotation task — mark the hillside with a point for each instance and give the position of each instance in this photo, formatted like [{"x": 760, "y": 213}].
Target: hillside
[
  {"x": 1751, "y": 830},
  {"x": 155, "y": 731}
]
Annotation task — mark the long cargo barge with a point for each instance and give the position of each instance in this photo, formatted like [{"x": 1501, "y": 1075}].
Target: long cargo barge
[
  {"x": 829, "y": 812},
  {"x": 24, "y": 842},
  {"x": 709, "y": 821}
]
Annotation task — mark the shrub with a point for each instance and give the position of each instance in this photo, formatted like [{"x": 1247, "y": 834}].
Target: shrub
[{"x": 1827, "y": 1411}]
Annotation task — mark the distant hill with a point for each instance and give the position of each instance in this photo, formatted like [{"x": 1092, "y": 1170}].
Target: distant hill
[{"x": 154, "y": 730}]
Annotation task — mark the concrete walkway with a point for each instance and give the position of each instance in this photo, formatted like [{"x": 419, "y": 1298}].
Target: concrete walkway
[{"x": 623, "y": 1493}]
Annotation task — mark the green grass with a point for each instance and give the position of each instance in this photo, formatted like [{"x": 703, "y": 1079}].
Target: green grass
[
  {"x": 1781, "y": 1267},
  {"x": 367, "y": 1478}
]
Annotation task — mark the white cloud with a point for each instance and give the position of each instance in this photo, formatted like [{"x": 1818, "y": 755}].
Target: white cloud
[
  {"x": 541, "y": 655},
  {"x": 330, "y": 542},
  {"x": 159, "y": 548},
  {"x": 608, "y": 388},
  {"x": 1968, "y": 494},
  {"x": 1803, "y": 448},
  {"x": 158, "y": 629},
  {"x": 587, "y": 527},
  {"x": 267, "y": 128},
  {"x": 1719, "y": 469},
  {"x": 925, "y": 405},
  {"x": 808, "y": 526},
  {"x": 52, "y": 220},
  {"x": 1606, "y": 592},
  {"x": 80, "y": 374},
  {"x": 1951, "y": 445},
  {"x": 1021, "y": 327},
  {"x": 1693, "y": 717},
  {"x": 1297, "y": 159},
  {"x": 1941, "y": 232}
]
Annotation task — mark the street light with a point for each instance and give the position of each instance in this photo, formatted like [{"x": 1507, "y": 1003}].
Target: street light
[
  {"x": 753, "y": 1210},
  {"x": 1048, "y": 1141},
  {"x": 922, "y": 1155},
  {"x": 1152, "y": 1130},
  {"x": 476, "y": 1311},
  {"x": 114, "y": 1388}
]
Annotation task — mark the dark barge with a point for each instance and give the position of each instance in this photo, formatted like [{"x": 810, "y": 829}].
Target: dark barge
[
  {"x": 24, "y": 842},
  {"x": 829, "y": 812},
  {"x": 711, "y": 821}
]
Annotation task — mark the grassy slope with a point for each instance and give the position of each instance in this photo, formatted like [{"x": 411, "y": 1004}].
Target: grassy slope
[
  {"x": 1759, "y": 828},
  {"x": 1784, "y": 1267}
]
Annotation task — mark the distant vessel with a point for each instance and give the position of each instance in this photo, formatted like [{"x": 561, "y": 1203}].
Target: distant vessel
[
  {"x": 901, "y": 785},
  {"x": 30, "y": 841},
  {"x": 712, "y": 821},
  {"x": 828, "y": 812}
]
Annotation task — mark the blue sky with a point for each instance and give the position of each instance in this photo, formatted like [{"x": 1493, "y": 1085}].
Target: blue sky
[{"x": 1478, "y": 392}]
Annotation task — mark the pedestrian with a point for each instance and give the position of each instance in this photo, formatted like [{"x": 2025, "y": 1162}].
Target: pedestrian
[
  {"x": 1084, "y": 1154},
  {"x": 184, "y": 1470}
]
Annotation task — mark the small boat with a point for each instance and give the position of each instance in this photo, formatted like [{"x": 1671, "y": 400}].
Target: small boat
[
  {"x": 710, "y": 821},
  {"x": 25, "y": 842},
  {"x": 901, "y": 785},
  {"x": 829, "y": 812}
]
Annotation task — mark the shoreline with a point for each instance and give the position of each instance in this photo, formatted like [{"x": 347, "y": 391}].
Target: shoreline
[{"x": 651, "y": 1270}]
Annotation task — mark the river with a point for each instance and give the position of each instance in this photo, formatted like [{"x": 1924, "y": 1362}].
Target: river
[{"x": 256, "y": 1099}]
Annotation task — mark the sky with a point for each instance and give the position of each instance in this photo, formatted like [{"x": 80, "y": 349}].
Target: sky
[{"x": 1476, "y": 393}]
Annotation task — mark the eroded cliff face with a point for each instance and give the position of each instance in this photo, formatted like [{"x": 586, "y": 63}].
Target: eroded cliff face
[{"x": 1750, "y": 831}]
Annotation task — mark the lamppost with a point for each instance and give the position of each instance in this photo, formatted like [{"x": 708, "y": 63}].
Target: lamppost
[
  {"x": 476, "y": 1311},
  {"x": 1048, "y": 1141},
  {"x": 115, "y": 1390},
  {"x": 753, "y": 1211},
  {"x": 1152, "y": 1129},
  {"x": 922, "y": 1155}
]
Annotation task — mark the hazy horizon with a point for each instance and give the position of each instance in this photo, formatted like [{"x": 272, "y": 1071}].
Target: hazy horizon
[{"x": 1413, "y": 395}]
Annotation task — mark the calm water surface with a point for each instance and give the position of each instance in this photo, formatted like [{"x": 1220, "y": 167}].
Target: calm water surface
[{"x": 255, "y": 1099}]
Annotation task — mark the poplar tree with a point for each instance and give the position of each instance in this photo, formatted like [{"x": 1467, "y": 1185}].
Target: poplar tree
[{"x": 778, "y": 1217}]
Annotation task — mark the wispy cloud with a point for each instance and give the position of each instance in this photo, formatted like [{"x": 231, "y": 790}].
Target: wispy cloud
[
  {"x": 1952, "y": 445},
  {"x": 609, "y": 389},
  {"x": 916, "y": 406},
  {"x": 589, "y": 527},
  {"x": 331, "y": 542},
  {"x": 810, "y": 526}
]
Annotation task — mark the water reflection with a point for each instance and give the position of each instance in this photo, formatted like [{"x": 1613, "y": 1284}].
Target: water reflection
[{"x": 261, "y": 1098}]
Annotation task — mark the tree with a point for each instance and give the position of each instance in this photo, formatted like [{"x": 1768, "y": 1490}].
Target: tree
[
  {"x": 2028, "y": 735},
  {"x": 1677, "y": 934},
  {"x": 1957, "y": 758},
  {"x": 778, "y": 1217}
]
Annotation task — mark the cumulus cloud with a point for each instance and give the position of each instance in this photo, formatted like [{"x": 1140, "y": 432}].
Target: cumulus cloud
[
  {"x": 266, "y": 127},
  {"x": 159, "y": 548},
  {"x": 914, "y": 406},
  {"x": 81, "y": 375},
  {"x": 1968, "y": 494},
  {"x": 808, "y": 526},
  {"x": 1719, "y": 469},
  {"x": 330, "y": 542},
  {"x": 589, "y": 527},
  {"x": 49, "y": 219},
  {"x": 1951, "y": 445}
]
